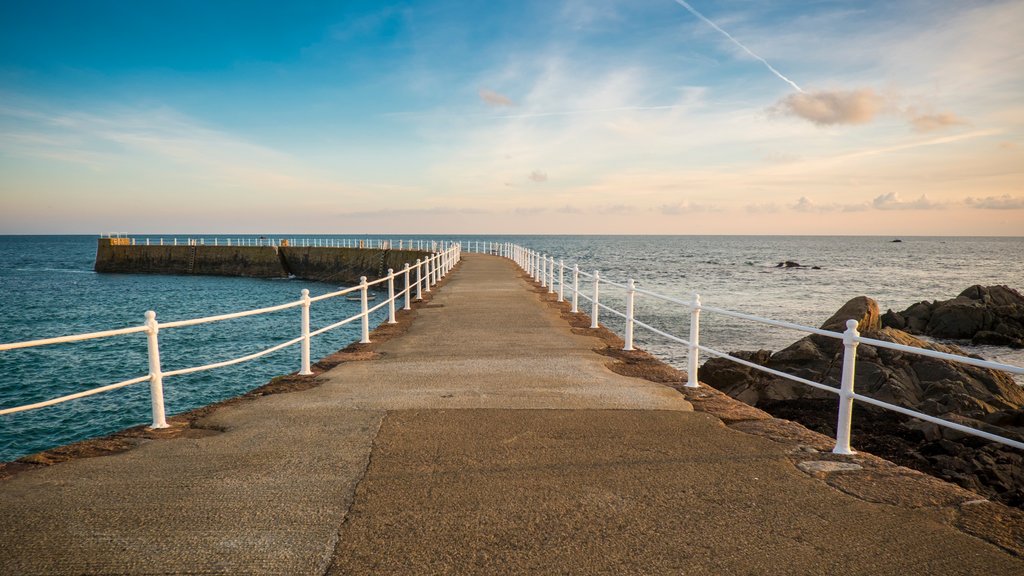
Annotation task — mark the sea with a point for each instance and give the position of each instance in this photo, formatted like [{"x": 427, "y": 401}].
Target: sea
[{"x": 48, "y": 288}]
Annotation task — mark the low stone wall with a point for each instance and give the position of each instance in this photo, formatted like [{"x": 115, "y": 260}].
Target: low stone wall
[
  {"x": 338, "y": 265},
  {"x": 345, "y": 265}
]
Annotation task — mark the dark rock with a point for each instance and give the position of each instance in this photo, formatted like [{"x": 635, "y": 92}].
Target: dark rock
[
  {"x": 897, "y": 240},
  {"x": 789, "y": 264},
  {"x": 976, "y": 397},
  {"x": 986, "y": 314},
  {"x": 893, "y": 320},
  {"x": 991, "y": 338}
]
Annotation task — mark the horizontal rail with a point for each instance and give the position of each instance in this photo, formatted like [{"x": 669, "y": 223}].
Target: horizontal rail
[
  {"x": 329, "y": 295},
  {"x": 939, "y": 421},
  {"x": 612, "y": 310},
  {"x": 661, "y": 333},
  {"x": 72, "y": 338},
  {"x": 772, "y": 371},
  {"x": 231, "y": 316},
  {"x": 272, "y": 349},
  {"x": 348, "y": 320},
  {"x": 75, "y": 396},
  {"x": 942, "y": 355}
]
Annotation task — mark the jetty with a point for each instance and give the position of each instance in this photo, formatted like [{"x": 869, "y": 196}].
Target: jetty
[{"x": 492, "y": 430}]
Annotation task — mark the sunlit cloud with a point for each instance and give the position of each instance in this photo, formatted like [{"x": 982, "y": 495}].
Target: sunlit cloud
[
  {"x": 892, "y": 201},
  {"x": 492, "y": 98},
  {"x": 826, "y": 108},
  {"x": 1004, "y": 202},
  {"x": 931, "y": 122},
  {"x": 686, "y": 207},
  {"x": 805, "y": 204}
]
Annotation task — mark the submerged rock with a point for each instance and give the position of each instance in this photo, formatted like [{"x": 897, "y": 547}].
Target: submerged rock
[{"x": 969, "y": 395}]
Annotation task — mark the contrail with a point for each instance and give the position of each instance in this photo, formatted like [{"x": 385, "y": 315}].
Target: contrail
[{"x": 693, "y": 11}]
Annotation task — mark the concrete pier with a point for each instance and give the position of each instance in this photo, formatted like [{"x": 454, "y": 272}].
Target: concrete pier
[
  {"x": 488, "y": 438},
  {"x": 327, "y": 264}
]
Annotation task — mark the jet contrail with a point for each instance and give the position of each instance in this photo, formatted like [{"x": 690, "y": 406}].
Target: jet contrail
[{"x": 693, "y": 11}]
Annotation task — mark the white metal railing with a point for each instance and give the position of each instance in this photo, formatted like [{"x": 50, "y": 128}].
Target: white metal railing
[
  {"x": 368, "y": 243},
  {"x": 428, "y": 271},
  {"x": 542, "y": 268}
]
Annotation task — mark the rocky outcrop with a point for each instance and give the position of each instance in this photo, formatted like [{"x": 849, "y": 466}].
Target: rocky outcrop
[
  {"x": 973, "y": 396},
  {"x": 794, "y": 264},
  {"x": 984, "y": 314}
]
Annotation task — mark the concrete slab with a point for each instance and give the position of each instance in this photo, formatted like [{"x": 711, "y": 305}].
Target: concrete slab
[
  {"x": 487, "y": 342},
  {"x": 622, "y": 492}
]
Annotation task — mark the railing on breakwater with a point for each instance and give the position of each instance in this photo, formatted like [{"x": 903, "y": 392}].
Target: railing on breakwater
[
  {"x": 427, "y": 273},
  {"x": 544, "y": 269},
  {"x": 366, "y": 243}
]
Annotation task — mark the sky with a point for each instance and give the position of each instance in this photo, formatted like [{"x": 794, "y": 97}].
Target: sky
[{"x": 826, "y": 117}]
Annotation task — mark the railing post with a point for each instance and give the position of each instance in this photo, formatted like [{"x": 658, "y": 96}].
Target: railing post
[
  {"x": 305, "y": 369},
  {"x": 156, "y": 377},
  {"x": 427, "y": 275},
  {"x": 846, "y": 389},
  {"x": 693, "y": 352},
  {"x": 543, "y": 271},
  {"x": 575, "y": 288},
  {"x": 595, "y": 308},
  {"x": 630, "y": 296},
  {"x": 363, "y": 288},
  {"x": 419, "y": 279},
  {"x": 561, "y": 280},
  {"x": 391, "y": 297},
  {"x": 551, "y": 276},
  {"x": 408, "y": 288}
]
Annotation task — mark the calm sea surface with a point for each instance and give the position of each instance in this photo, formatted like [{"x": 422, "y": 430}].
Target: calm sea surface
[{"x": 47, "y": 288}]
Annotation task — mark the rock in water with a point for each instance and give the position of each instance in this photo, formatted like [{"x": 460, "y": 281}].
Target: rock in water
[
  {"x": 985, "y": 314},
  {"x": 968, "y": 395}
]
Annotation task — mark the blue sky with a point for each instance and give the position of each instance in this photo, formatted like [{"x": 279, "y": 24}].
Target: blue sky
[{"x": 513, "y": 117}]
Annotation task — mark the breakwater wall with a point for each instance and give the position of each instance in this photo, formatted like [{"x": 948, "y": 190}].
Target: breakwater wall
[{"x": 327, "y": 264}]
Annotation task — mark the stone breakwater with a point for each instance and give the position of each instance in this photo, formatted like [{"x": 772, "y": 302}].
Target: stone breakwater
[
  {"x": 338, "y": 265},
  {"x": 977, "y": 397}
]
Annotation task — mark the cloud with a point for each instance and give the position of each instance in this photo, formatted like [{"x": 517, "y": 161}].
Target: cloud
[
  {"x": 930, "y": 122},
  {"x": 1004, "y": 202},
  {"x": 492, "y": 98},
  {"x": 805, "y": 204},
  {"x": 685, "y": 207},
  {"x": 763, "y": 208},
  {"x": 538, "y": 176},
  {"x": 891, "y": 201},
  {"x": 827, "y": 108}
]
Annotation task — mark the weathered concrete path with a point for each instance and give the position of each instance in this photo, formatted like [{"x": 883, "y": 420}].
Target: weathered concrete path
[{"x": 487, "y": 439}]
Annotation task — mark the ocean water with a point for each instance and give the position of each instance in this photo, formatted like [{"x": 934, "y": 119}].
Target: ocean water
[{"x": 48, "y": 289}]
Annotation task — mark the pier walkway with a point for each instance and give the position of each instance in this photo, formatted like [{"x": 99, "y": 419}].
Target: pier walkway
[{"x": 488, "y": 438}]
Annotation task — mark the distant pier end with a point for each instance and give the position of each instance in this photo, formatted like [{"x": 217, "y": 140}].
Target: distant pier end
[{"x": 328, "y": 264}]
